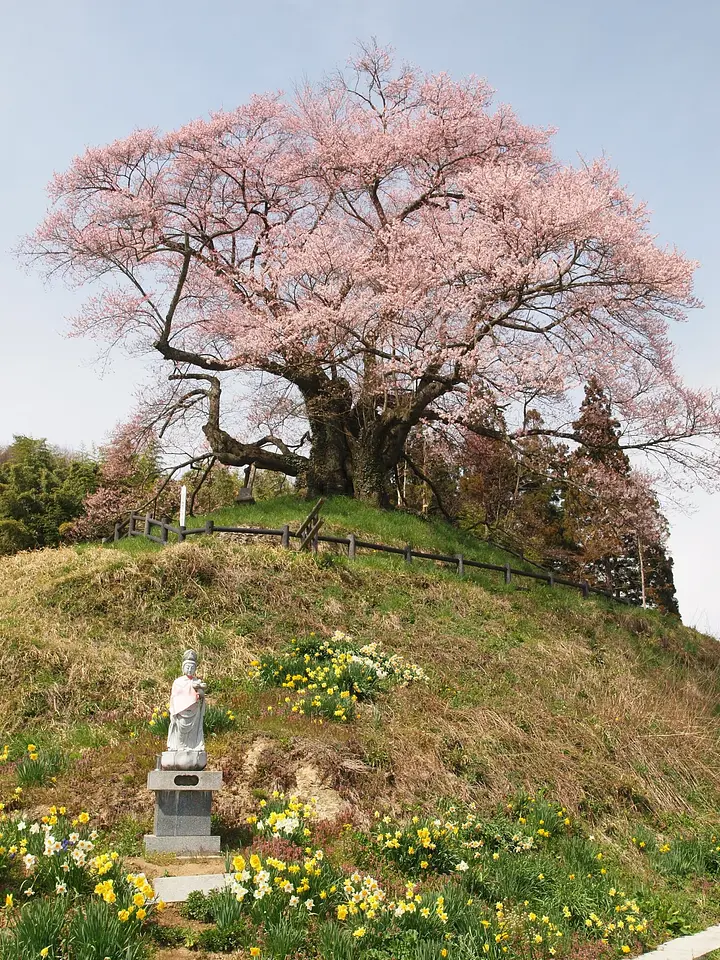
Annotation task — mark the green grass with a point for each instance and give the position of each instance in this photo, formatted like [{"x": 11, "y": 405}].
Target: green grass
[{"x": 343, "y": 515}]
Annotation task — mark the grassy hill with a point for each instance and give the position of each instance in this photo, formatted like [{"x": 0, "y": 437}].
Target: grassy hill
[{"x": 612, "y": 711}]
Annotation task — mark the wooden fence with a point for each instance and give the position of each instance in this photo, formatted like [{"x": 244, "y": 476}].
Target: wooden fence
[{"x": 309, "y": 536}]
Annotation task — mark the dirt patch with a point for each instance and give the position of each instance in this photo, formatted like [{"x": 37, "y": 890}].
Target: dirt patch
[
  {"x": 306, "y": 769},
  {"x": 179, "y": 867}
]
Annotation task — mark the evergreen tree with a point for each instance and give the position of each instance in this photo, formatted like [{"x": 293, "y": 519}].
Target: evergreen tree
[
  {"x": 617, "y": 540},
  {"x": 598, "y": 432},
  {"x": 41, "y": 490}
]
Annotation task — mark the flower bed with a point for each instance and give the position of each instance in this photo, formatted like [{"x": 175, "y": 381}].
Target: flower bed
[
  {"x": 325, "y": 679},
  {"x": 70, "y": 896}
]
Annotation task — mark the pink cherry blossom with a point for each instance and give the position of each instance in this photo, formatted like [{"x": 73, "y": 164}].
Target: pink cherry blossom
[{"x": 392, "y": 249}]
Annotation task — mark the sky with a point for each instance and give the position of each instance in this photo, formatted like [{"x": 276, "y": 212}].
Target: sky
[{"x": 636, "y": 81}]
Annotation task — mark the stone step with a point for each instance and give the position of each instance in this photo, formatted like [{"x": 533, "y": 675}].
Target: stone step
[{"x": 687, "y": 948}]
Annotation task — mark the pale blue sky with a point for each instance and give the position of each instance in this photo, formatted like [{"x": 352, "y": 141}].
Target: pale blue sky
[{"x": 635, "y": 80}]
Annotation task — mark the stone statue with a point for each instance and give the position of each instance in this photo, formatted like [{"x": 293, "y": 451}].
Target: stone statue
[{"x": 186, "y": 738}]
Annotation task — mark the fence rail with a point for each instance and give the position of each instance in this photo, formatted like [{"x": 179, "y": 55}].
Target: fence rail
[{"x": 309, "y": 534}]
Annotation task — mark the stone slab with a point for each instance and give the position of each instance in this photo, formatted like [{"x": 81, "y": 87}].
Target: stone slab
[
  {"x": 182, "y": 813},
  {"x": 183, "y": 846},
  {"x": 184, "y": 780},
  {"x": 177, "y": 889},
  {"x": 687, "y": 948}
]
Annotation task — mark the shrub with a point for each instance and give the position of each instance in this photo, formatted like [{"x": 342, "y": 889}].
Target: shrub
[
  {"x": 41, "y": 490},
  {"x": 167, "y": 936},
  {"x": 197, "y": 907},
  {"x": 223, "y": 940},
  {"x": 14, "y": 536}
]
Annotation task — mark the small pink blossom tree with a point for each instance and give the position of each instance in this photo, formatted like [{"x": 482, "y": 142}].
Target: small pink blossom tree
[
  {"x": 129, "y": 479},
  {"x": 382, "y": 249}
]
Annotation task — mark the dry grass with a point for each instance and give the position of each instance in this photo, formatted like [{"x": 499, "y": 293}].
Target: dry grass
[{"x": 614, "y": 709}]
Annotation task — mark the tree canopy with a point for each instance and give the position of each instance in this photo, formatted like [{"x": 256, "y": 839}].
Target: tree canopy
[
  {"x": 379, "y": 250},
  {"x": 41, "y": 490}
]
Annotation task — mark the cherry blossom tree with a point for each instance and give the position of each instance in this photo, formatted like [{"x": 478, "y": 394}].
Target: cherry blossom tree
[
  {"x": 377, "y": 251},
  {"x": 129, "y": 478}
]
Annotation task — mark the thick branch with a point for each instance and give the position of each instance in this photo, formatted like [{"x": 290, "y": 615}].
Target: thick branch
[{"x": 232, "y": 452}]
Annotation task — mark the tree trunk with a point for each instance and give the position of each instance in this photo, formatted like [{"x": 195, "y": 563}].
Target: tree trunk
[
  {"x": 328, "y": 470},
  {"x": 370, "y": 476},
  {"x": 642, "y": 573},
  {"x": 375, "y": 453}
]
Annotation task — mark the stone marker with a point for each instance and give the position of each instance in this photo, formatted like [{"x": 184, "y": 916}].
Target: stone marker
[
  {"x": 183, "y": 788},
  {"x": 178, "y": 889}
]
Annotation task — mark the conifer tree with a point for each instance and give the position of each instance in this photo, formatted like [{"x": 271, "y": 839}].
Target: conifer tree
[{"x": 612, "y": 520}]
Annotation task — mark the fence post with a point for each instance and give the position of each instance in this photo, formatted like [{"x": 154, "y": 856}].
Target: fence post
[
  {"x": 585, "y": 589},
  {"x": 116, "y": 535},
  {"x": 314, "y": 545},
  {"x": 146, "y": 530},
  {"x": 131, "y": 523},
  {"x": 181, "y": 535},
  {"x": 508, "y": 573},
  {"x": 209, "y": 528},
  {"x": 460, "y": 565},
  {"x": 164, "y": 530},
  {"x": 408, "y": 553},
  {"x": 351, "y": 546},
  {"x": 551, "y": 580},
  {"x": 285, "y": 541}
]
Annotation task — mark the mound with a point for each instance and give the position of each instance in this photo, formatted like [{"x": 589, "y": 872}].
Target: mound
[{"x": 610, "y": 708}]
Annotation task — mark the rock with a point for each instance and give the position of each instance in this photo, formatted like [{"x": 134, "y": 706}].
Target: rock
[{"x": 310, "y": 782}]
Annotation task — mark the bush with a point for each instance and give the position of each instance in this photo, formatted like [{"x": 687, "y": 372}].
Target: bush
[
  {"x": 223, "y": 940},
  {"x": 197, "y": 907},
  {"x": 171, "y": 936},
  {"x": 14, "y": 536},
  {"x": 41, "y": 490}
]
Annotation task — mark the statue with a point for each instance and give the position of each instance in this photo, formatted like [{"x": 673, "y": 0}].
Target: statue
[{"x": 186, "y": 739}]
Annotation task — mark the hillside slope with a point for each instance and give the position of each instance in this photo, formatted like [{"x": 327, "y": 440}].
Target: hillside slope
[
  {"x": 614, "y": 709},
  {"x": 514, "y": 694}
]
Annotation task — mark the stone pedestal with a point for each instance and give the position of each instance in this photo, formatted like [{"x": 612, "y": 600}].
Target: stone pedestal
[{"x": 183, "y": 802}]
